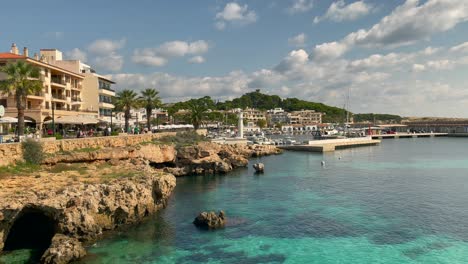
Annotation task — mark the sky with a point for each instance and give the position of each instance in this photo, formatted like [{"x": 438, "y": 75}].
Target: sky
[{"x": 406, "y": 57}]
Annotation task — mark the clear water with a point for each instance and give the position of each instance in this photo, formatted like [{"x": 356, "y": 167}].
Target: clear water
[{"x": 405, "y": 201}]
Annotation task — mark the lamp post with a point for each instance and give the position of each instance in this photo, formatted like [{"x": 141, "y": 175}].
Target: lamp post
[{"x": 53, "y": 118}]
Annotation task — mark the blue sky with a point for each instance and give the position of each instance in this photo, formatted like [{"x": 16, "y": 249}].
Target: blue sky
[{"x": 406, "y": 57}]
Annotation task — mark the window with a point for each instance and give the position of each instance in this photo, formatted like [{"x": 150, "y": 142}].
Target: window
[{"x": 3, "y": 102}]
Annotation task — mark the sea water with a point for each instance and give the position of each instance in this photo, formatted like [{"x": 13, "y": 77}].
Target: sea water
[{"x": 404, "y": 201}]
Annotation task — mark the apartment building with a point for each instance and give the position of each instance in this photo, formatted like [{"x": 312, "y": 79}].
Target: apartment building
[
  {"x": 98, "y": 95},
  {"x": 277, "y": 116},
  {"x": 305, "y": 117},
  {"x": 71, "y": 87},
  {"x": 253, "y": 115},
  {"x": 62, "y": 89}
]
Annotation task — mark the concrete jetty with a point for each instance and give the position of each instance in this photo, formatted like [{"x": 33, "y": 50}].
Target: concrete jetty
[
  {"x": 331, "y": 144},
  {"x": 409, "y": 135}
]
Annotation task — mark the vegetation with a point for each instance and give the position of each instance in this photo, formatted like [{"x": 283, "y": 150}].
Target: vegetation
[
  {"x": 261, "y": 123},
  {"x": 125, "y": 100},
  {"x": 32, "y": 151},
  {"x": 19, "y": 169},
  {"x": 22, "y": 79},
  {"x": 262, "y": 101},
  {"x": 186, "y": 138},
  {"x": 386, "y": 118},
  {"x": 149, "y": 99}
]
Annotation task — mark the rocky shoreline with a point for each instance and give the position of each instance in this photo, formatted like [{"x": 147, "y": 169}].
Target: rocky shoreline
[{"x": 74, "y": 212}]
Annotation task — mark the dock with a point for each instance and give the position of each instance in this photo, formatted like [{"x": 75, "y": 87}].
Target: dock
[
  {"x": 409, "y": 135},
  {"x": 329, "y": 145}
]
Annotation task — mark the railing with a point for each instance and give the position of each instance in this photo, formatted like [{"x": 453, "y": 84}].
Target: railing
[
  {"x": 58, "y": 81},
  {"x": 76, "y": 99},
  {"x": 59, "y": 97}
]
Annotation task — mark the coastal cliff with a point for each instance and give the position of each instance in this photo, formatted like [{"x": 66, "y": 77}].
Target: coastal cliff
[
  {"x": 78, "y": 194},
  {"x": 82, "y": 211}
]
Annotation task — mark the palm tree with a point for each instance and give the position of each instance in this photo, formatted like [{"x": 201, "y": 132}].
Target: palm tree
[
  {"x": 125, "y": 100},
  {"x": 198, "y": 109},
  {"x": 149, "y": 99},
  {"x": 22, "y": 79}
]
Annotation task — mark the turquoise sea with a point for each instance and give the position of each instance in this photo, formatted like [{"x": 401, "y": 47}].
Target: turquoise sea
[{"x": 404, "y": 201}]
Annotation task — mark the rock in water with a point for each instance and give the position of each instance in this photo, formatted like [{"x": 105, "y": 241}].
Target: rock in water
[
  {"x": 210, "y": 220},
  {"x": 259, "y": 167},
  {"x": 63, "y": 250}
]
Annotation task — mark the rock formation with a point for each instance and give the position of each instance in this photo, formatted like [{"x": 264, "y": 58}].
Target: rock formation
[
  {"x": 82, "y": 211},
  {"x": 259, "y": 167},
  {"x": 62, "y": 250},
  {"x": 209, "y": 220}
]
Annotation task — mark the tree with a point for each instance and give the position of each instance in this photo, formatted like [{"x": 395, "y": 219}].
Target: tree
[
  {"x": 149, "y": 99},
  {"x": 125, "y": 101},
  {"x": 261, "y": 123},
  {"x": 22, "y": 79},
  {"x": 198, "y": 108}
]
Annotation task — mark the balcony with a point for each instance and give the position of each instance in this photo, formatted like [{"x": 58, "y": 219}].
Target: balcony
[
  {"x": 37, "y": 95},
  {"x": 58, "y": 82},
  {"x": 58, "y": 97},
  {"x": 76, "y": 101},
  {"x": 108, "y": 92},
  {"x": 106, "y": 105}
]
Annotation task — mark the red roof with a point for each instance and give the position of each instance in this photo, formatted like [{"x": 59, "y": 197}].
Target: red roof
[{"x": 7, "y": 55}]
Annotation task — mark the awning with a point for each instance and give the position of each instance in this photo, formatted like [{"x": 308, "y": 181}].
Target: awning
[
  {"x": 74, "y": 120},
  {"x": 11, "y": 120}
]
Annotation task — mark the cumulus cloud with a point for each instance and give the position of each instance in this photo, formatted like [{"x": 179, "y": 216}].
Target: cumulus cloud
[
  {"x": 179, "y": 87},
  {"x": 412, "y": 22},
  {"x": 330, "y": 50},
  {"x": 295, "y": 59},
  {"x": 77, "y": 54},
  {"x": 298, "y": 41},
  {"x": 233, "y": 13},
  {"x": 339, "y": 11},
  {"x": 106, "y": 55},
  {"x": 196, "y": 60},
  {"x": 300, "y": 6},
  {"x": 418, "y": 67},
  {"x": 160, "y": 55},
  {"x": 105, "y": 47},
  {"x": 460, "y": 48}
]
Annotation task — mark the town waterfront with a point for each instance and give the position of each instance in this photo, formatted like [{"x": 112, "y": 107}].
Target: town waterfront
[{"x": 403, "y": 201}]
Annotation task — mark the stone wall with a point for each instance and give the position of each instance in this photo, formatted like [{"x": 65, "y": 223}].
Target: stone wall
[{"x": 12, "y": 152}]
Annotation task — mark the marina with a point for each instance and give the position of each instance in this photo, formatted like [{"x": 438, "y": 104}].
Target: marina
[{"x": 329, "y": 145}]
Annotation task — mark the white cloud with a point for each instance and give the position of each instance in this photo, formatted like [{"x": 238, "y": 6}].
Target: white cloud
[
  {"x": 460, "y": 48},
  {"x": 234, "y": 13},
  {"x": 105, "y": 47},
  {"x": 412, "y": 22},
  {"x": 339, "y": 11},
  {"x": 106, "y": 56},
  {"x": 418, "y": 67},
  {"x": 300, "y": 6},
  {"x": 196, "y": 60},
  {"x": 298, "y": 41},
  {"x": 160, "y": 55},
  {"x": 331, "y": 50},
  {"x": 112, "y": 62},
  {"x": 77, "y": 54},
  {"x": 295, "y": 59},
  {"x": 178, "y": 87}
]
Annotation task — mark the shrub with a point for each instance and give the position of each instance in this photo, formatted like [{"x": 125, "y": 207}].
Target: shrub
[
  {"x": 32, "y": 151},
  {"x": 183, "y": 139},
  {"x": 114, "y": 133}
]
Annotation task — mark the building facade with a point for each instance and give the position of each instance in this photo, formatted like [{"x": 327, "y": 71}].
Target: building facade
[
  {"x": 70, "y": 88},
  {"x": 305, "y": 117}
]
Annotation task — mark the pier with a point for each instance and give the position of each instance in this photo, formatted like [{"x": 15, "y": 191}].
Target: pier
[
  {"x": 409, "y": 135},
  {"x": 329, "y": 145}
]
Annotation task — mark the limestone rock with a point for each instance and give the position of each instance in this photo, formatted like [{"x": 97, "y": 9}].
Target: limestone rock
[
  {"x": 63, "y": 250},
  {"x": 259, "y": 167},
  {"x": 209, "y": 220}
]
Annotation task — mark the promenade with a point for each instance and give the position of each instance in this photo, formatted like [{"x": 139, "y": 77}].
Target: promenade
[{"x": 329, "y": 145}]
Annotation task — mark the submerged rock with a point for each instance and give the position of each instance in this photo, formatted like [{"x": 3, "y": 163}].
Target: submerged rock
[
  {"x": 63, "y": 250},
  {"x": 209, "y": 220},
  {"x": 259, "y": 167}
]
